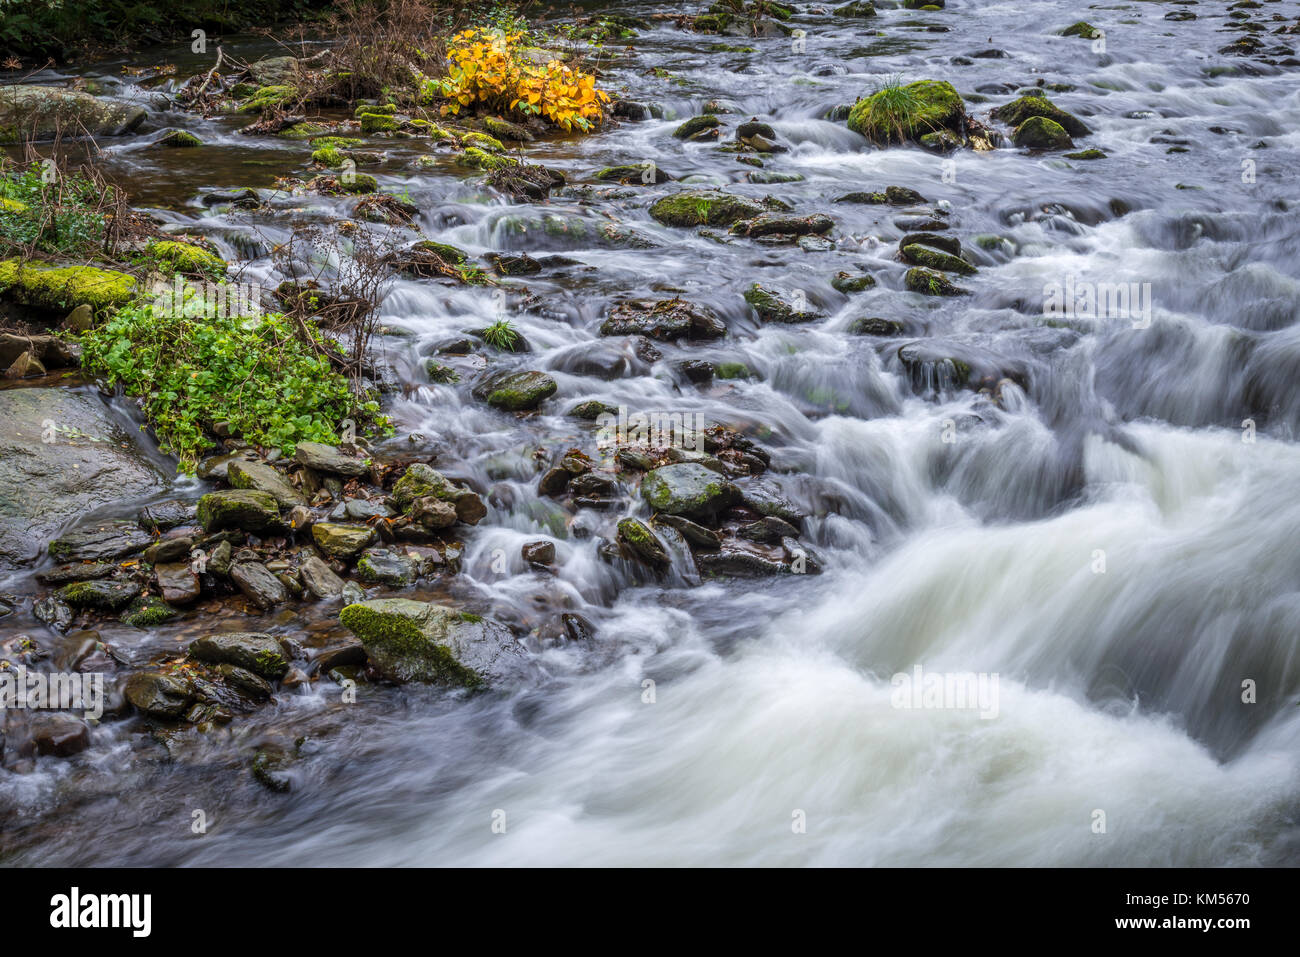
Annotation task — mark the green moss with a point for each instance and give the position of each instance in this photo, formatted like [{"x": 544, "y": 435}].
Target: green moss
[
  {"x": 66, "y": 286},
  {"x": 375, "y": 109},
  {"x": 1040, "y": 133},
  {"x": 936, "y": 259},
  {"x": 704, "y": 208},
  {"x": 179, "y": 139},
  {"x": 148, "y": 610},
  {"x": 929, "y": 283},
  {"x": 1081, "y": 29},
  {"x": 906, "y": 112},
  {"x": 1092, "y": 154},
  {"x": 732, "y": 370},
  {"x": 480, "y": 159},
  {"x": 396, "y": 636},
  {"x": 336, "y": 142},
  {"x": 327, "y": 156},
  {"x": 484, "y": 142},
  {"x": 377, "y": 123},
  {"x": 696, "y": 125},
  {"x": 1018, "y": 111},
  {"x": 269, "y": 98},
  {"x": 186, "y": 258},
  {"x": 302, "y": 131}
]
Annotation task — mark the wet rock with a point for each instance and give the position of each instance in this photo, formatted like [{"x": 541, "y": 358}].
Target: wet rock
[
  {"x": 170, "y": 548},
  {"x": 433, "y": 513},
  {"x": 59, "y": 735},
  {"x": 930, "y": 258},
  {"x": 359, "y": 510},
  {"x": 639, "y": 539},
  {"x": 765, "y": 498},
  {"x": 100, "y": 595},
  {"x": 644, "y": 174},
  {"x": 687, "y": 489},
  {"x": 516, "y": 391},
  {"x": 344, "y": 542},
  {"x": 319, "y": 579},
  {"x": 260, "y": 477},
  {"x": 768, "y": 530},
  {"x": 350, "y": 653},
  {"x": 734, "y": 559},
  {"x": 220, "y": 560},
  {"x": 259, "y": 584},
  {"x": 665, "y": 319},
  {"x": 417, "y": 641},
  {"x": 42, "y": 113},
  {"x": 157, "y": 694},
  {"x": 1018, "y": 111},
  {"x": 774, "y": 224},
  {"x": 45, "y": 485},
  {"x": 591, "y": 410},
  {"x": 704, "y": 207},
  {"x": 875, "y": 326},
  {"x": 329, "y": 459},
  {"x": 99, "y": 542},
  {"x": 697, "y": 125},
  {"x": 848, "y": 283},
  {"x": 1040, "y": 133},
  {"x": 928, "y": 282},
  {"x": 379, "y": 566},
  {"x": 76, "y": 572},
  {"x": 936, "y": 105},
  {"x": 147, "y": 611},
  {"x": 253, "y": 651},
  {"x": 421, "y": 481},
  {"x": 577, "y": 628},
  {"x": 539, "y": 554},
  {"x": 54, "y": 612},
  {"x": 697, "y": 535},
  {"x": 244, "y": 509},
  {"x": 246, "y": 684},
  {"x": 774, "y": 305}
]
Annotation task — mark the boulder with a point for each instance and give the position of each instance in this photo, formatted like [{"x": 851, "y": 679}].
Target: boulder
[
  {"x": 419, "y": 641},
  {"x": 244, "y": 509},
  {"x": 45, "y": 113},
  {"x": 260, "y": 477},
  {"x": 687, "y": 489},
  {"x": 253, "y": 651},
  {"x": 44, "y": 485}
]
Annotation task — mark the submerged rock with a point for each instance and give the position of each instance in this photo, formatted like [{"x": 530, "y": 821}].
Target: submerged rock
[
  {"x": 666, "y": 319},
  {"x": 704, "y": 207},
  {"x": 1018, "y": 111},
  {"x": 418, "y": 641}
]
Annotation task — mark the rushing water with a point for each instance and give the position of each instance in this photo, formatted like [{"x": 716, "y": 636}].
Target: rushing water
[{"x": 1106, "y": 539}]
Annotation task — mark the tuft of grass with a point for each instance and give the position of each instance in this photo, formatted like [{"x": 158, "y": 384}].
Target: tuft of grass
[
  {"x": 501, "y": 335},
  {"x": 896, "y": 109}
]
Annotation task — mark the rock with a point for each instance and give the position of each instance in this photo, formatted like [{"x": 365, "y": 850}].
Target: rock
[
  {"x": 940, "y": 364},
  {"x": 43, "y": 113},
  {"x": 433, "y": 513},
  {"x": 768, "y": 530},
  {"x": 875, "y": 326},
  {"x": 773, "y": 224},
  {"x": 920, "y": 255},
  {"x": 260, "y": 477},
  {"x": 59, "y": 735},
  {"x": 641, "y": 541},
  {"x": 858, "y": 8},
  {"x": 697, "y": 535},
  {"x": 642, "y": 174},
  {"x": 423, "y": 480},
  {"x": 930, "y": 283},
  {"x": 345, "y": 542},
  {"x": 735, "y": 559},
  {"x": 100, "y": 542},
  {"x": 319, "y": 579},
  {"x": 848, "y": 284},
  {"x": 244, "y": 509},
  {"x": 704, "y": 207},
  {"x": 220, "y": 560},
  {"x": 696, "y": 125},
  {"x": 51, "y": 288},
  {"x": 246, "y": 684},
  {"x": 329, "y": 459},
  {"x": 539, "y": 554},
  {"x": 76, "y": 572},
  {"x": 687, "y": 489},
  {"x": 766, "y": 499},
  {"x": 771, "y": 306},
  {"x": 274, "y": 70},
  {"x": 1081, "y": 29},
  {"x": 157, "y": 694},
  {"x": 664, "y": 319},
  {"x": 1040, "y": 133},
  {"x": 379, "y": 566},
  {"x": 516, "y": 391},
  {"x": 505, "y": 130},
  {"x": 25, "y": 365},
  {"x": 176, "y": 582},
  {"x": 254, "y": 651},
  {"x": 91, "y": 462},
  {"x": 178, "y": 139},
  {"x": 53, "y": 612},
  {"x": 577, "y": 628},
  {"x": 936, "y": 105},
  {"x": 417, "y": 641},
  {"x": 100, "y": 595},
  {"x": 1091, "y": 154},
  {"x": 147, "y": 611},
  {"x": 258, "y": 584},
  {"x": 1018, "y": 111}
]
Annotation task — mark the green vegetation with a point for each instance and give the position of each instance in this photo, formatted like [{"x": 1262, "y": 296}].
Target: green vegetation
[
  {"x": 255, "y": 375},
  {"x": 61, "y": 216},
  {"x": 896, "y": 113},
  {"x": 501, "y": 335}
]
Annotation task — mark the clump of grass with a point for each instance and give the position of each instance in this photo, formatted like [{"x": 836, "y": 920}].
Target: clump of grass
[
  {"x": 45, "y": 210},
  {"x": 501, "y": 335},
  {"x": 896, "y": 109}
]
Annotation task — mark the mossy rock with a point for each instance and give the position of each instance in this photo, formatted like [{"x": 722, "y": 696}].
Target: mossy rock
[
  {"x": 62, "y": 287},
  {"x": 633, "y": 173},
  {"x": 372, "y": 123},
  {"x": 484, "y": 142},
  {"x": 349, "y": 184},
  {"x": 1081, "y": 29},
  {"x": 638, "y": 538},
  {"x": 1040, "y": 133},
  {"x": 687, "y": 489},
  {"x": 858, "y": 8},
  {"x": 328, "y": 156},
  {"x": 419, "y": 481},
  {"x": 252, "y": 651},
  {"x": 375, "y": 109},
  {"x": 186, "y": 258},
  {"x": 1017, "y": 111},
  {"x": 919, "y": 255},
  {"x": 848, "y": 284},
  {"x": 245, "y": 509},
  {"x": 476, "y": 158},
  {"x": 147, "y": 611},
  {"x": 518, "y": 391},
  {"x": 418, "y": 641},
  {"x": 178, "y": 139},
  {"x": 1089, "y": 154},
  {"x": 935, "y": 105},
  {"x": 696, "y": 125},
  {"x": 930, "y": 283},
  {"x": 303, "y": 131},
  {"x": 268, "y": 98},
  {"x": 340, "y": 540},
  {"x": 704, "y": 207},
  {"x": 732, "y": 370},
  {"x": 772, "y": 307},
  {"x": 101, "y": 595},
  {"x": 505, "y": 130}
]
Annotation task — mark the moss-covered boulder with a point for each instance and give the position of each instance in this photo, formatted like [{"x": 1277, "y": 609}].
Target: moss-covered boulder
[
  {"x": 687, "y": 489},
  {"x": 178, "y": 139},
  {"x": 928, "y": 282},
  {"x": 372, "y": 123},
  {"x": 423, "y": 482},
  {"x": 908, "y": 112},
  {"x": 418, "y": 641},
  {"x": 931, "y": 258},
  {"x": 339, "y": 540},
  {"x": 641, "y": 541},
  {"x": 665, "y": 319},
  {"x": 633, "y": 174},
  {"x": 100, "y": 595},
  {"x": 517, "y": 391},
  {"x": 483, "y": 142},
  {"x": 1081, "y": 29},
  {"x": 696, "y": 125},
  {"x": 63, "y": 287},
  {"x": 704, "y": 207},
  {"x": 773, "y": 305},
  {"x": 41, "y": 113},
  {"x": 1017, "y": 111},
  {"x": 245, "y": 509},
  {"x": 186, "y": 258},
  {"x": 1040, "y": 133},
  {"x": 476, "y": 158},
  {"x": 1089, "y": 154},
  {"x": 857, "y": 8},
  {"x": 253, "y": 651}
]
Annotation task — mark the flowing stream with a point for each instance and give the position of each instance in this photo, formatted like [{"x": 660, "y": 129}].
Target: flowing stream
[{"x": 1108, "y": 535}]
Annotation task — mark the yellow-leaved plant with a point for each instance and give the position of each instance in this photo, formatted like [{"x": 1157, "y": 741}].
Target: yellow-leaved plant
[{"x": 490, "y": 68}]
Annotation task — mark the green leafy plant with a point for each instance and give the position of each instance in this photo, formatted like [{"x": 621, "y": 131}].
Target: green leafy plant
[
  {"x": 61, "y": 214},
  {"x": 501, "y": 335},
  {"x": 254, "y": 374}
]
